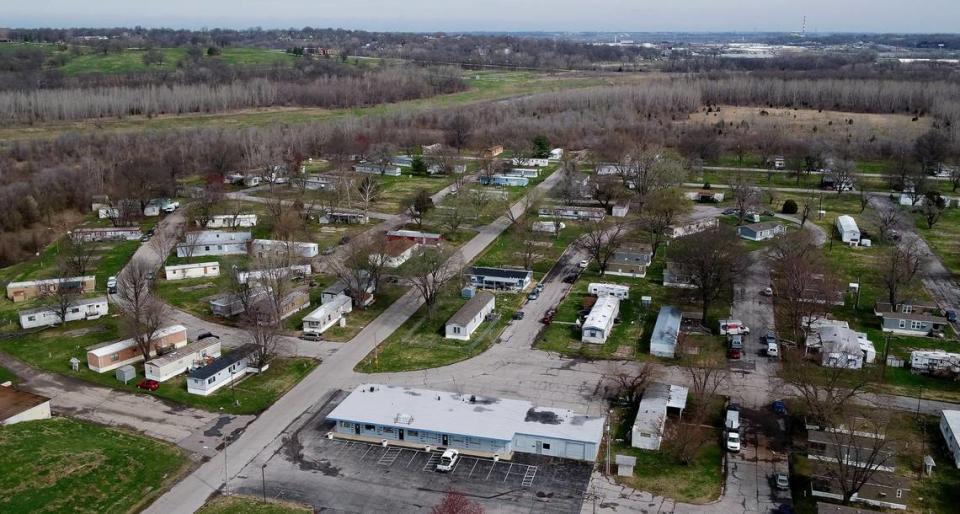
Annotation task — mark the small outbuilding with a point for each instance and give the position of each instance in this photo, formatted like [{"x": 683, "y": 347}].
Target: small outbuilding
[{"x": 848, "y": 229}]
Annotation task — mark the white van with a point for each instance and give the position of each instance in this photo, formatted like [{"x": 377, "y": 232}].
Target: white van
[
  {"x": 732, "y": 422},
  {"x": 773, "y": 349}
]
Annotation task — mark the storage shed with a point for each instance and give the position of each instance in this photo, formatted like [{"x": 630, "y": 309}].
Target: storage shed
[{"x": 470, "y": 423}]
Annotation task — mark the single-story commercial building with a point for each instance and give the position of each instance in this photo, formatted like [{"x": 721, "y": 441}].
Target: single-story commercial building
[
  {"x": 109, "y": 356},
  {"x": 466, "y": 320},
  {"x": 500, "y": 278},
  {"x": 761, "y": 231},
  {"x": 261, "y": 248},
  {"x": 213, "y": 242},
  {"x": 328, "y": 314},
  {"x": 424, "y": 238},
  {"x": 394, "y": 254},
  {"x": 469, "y": 423},
  {"x": 503, "y": 181},
  {"x": 108, "y": 234},
  {"x": 388, "y": 170},
  {"x": 231, "y": 221},
  {"x": 17, "y": 406},
  {"x": 848, "y": 229},
  {"x": 950, "y": 429},
  {"x": 666, "y": 331},
  {"x": 222, "y": 371},
  {"x": 658, "y": 398},
  {"x": 30, "y": 289},
  {"x": 603, "y": 289},
  {"x": 182, "y": 359},
  {"x": 691, "y": 227},
  {"x": 289, "y": 272},
  {"x": 599, "y": 323},
  {"x": 630, "y": 261},
  {"x": 83, "y": 308},
  {"x": 197, "y": 270},
  {"x": 573, "y": 213}
]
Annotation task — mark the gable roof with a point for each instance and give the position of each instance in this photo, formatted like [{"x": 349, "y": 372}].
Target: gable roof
[
  {"x": 470, "y": 309},
  {"x": 517, "y": 274},
  {"x": 14, "y": 401},
  {"x": 223, "y": 363}
]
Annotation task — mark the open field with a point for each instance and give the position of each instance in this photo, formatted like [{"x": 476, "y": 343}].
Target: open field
[
  {"x": 52, "y": 349},
  {"x": 249, "y": 505},
  {"x": 489, "y": 86},
  {"x": 507, "y": 250},
  {"x": 944, "y": 238},
  {"x": 61, "y": 465},
  {"x": 419, "y": 343},
  {"x": 360, "y": 318}
]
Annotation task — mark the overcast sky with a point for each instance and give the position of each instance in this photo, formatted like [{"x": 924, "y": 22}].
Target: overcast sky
[{"x": 499, "y": 15}]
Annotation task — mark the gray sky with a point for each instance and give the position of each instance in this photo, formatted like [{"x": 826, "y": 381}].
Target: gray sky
[{"x": 506, "y": 15}]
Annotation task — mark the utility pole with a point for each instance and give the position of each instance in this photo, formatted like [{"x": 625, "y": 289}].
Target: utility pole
[
  {"x": 608, "y": 445},
  {"x": 263, "y": 481},
  {"x": 856, "y": 306}
]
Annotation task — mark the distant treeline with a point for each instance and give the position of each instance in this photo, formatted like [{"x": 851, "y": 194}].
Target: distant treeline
[{"x": 375, "y": 87}]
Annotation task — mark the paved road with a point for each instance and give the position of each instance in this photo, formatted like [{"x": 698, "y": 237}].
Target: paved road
[
  {"x": 336, "y": 371},
  {"x": 788, "y": 172}
]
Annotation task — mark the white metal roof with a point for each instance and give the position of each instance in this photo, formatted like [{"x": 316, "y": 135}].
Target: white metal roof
[
  {"x": 952, "y": 418},
  {"x": 80, "y": 302},
  {"x": 602, "y": 314},
  {"x": 179, "y": 353},
  {"x": 67, "y": 280},
  {"x": 208, "y": 237},
  {"x": 607, "y": 286},
  {"x": 463, "y": 414},
  {"x": 107, "y": 349},
  {"x": 413, "y": 233},
  {"x": 325, "y": 309},
  {"x": 846, "y": 223},
  {"x": 657, "y": 397},
  {"x": 176, "y": 267}
]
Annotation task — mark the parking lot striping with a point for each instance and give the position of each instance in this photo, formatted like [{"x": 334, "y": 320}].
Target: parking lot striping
[
  {"x": 390, "y": 456},
  {"x": 415, "y": 454},
  {"x": 528, "y": 476},
  {"x": 344, "y": 446},
  {"x": 491, "y": 470},
  {"x": 370, "y": 447},
  {"x": 431, "y": 464},
  {"x": 505, "y": 477},
  {"x": 475, "y": 462}
]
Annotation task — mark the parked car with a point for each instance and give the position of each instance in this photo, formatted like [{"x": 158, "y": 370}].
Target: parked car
[
  {"x": 569, "y": 279},
  {"x": 539, "y": 287},
  {"x": 730, "y": 211},
  {"x": 583, "y": 264},
  {"x": 548, "y": 317},
  {"x": 732, "y": 421},
  {"x": 767, "y": 291},
  {"x": 311, "y": 337},
  {"x": 448, "y": 460},
  {"x": 782, "y": 481},
  {"x": 328, "y": 250},
  {"x": 112, "y": 285},
  {"x": 734, "y": 353},
  {"x": 149, "y": 385},
  {"x": 735, "y": 341},
  {"x": 951, "y": 316},
  {"x": 150, "y": 275},
  {"x": 779, "y": 407},
  {"x": 144, "y": 238},
  {"x": 151, "y": 231},
  {"x": 773, "y": 349},
  {"x": 533, "y": 295},
  {"x": 733, "y": 441},
  {"x": 518, "y": 315}
]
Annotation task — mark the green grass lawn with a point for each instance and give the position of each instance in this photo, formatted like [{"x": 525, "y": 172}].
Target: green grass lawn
[
  {"x": 944, "y": 238},
  {"x": 6, "y": 374},
  {"x": 131, "y": 61},
  {"x": 660, "y": 473},
  {"x": 52, "y": 349},
  {"x": 250, "y": 505},
  {"x": 508, "y": 249},
  {"x": 397, "y": 189},
  {"x": 419, "y": 342},
  {"x": 360, "y": 318},
  {"x": 64, "y": 465}
]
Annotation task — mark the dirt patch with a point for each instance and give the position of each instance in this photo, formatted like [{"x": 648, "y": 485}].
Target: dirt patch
[
  {"x": 624, "y": 352},
  {"x": 187, "y": 289},
  {"x": 80, "y": 332}
]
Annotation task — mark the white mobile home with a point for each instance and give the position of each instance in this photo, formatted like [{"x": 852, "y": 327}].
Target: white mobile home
[
  {"x": 848, "y": 229},
  {"x": 691, "y": 227},
  {"x": 630, "y": 261},
  {"x": 197, "y": 270},
  {"x": 574, "y": 213},
  {"x": 522, "y": 172},
  {"x": 936, "y": 362},
  {"x": 182, "y": 360},
  {"x": 108, "y": 234},
  {"x": 213, "y": 242},
  {"x": 547, "y": 227},
  {"x": 666, "y": 332},
  {"x": 223, "y": 371},
  {"x": 293, "y": 271},
  {"x": 231, "y": 221},
  {"x": 394, "y": 253},
  {"x": 264, "y": 247},
  {"x": 599, "y": 323},
  {"x": 761, "y": 231},
  {"x": 466, "y": 320},
  {"x": 530, "y": 161},
  {"x": 377, "y": 169},
  {"x": 328, "y": 314},
  {"x": 602, "y": 289},
  {"x": 658, "y": 398},
  {"x": 85, "y": 308},
  {"x": 470, "y": 423},
  {"x": 950, "y": 429}
]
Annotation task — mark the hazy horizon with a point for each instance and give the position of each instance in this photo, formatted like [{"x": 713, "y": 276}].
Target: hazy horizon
[{"x": 877, "y": 16}]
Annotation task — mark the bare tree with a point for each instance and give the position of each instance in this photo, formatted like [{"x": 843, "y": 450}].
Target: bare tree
[
  {"x": 263, "y": 327},
  {"x": 886, "y": 219},
  {"x": 368, "y": 190},
  {"x": 713, "y": 260},
  {"x": 825, "y": 392},
  {"x": 843, "y": 172},
  {"x": 430, "y": 272},
  {"x": 850, "y": 460},
  {"x": 454, "y": 216},
  {"x": 241, "y": 289},
  {"x": 418, "y": 206},
  {"x": 901, "y": 263},
  {"x": 707, "y": 377},
  {"x": 932, "y": 208},
  {"x": 663, "y": 209},
  {"x": 62, "y": 298},
  {"x": 78, "y": 253},
  {"x": 527, "y": 242},
  {"x": 274, "y": 277},
  {"x": 746, "y": 197},
  {"x": 626, "y": 381},
  {"x": 602, "y": 240},
  {"x": 805, "y": 286},
  {"x": 608, "y": 190},
  {"x": 142, "y": 313},
  {"x": 362, "y": 266},
  {"x": 201, "y": 210}
]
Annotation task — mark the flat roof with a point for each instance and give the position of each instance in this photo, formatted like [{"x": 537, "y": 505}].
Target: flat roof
[
  {"x": 326, "y": 308},
  {"x": 667, "y": 327},
  {"x": 208, "y": 237},
  {"x": 601, "y": 314},
  {"x": 77, "y": 303},
  {"x": 222, "y": 363},
  {"x": 464, "y": 414},
  {"x": 470, "y": 309},
  {"x": 413, "y": 233},
  {"x": 189, "y": 349},
  {"x": 501, "y": 272},
  {"x": 27, "y": 283},
  {"x": 108, "y": 348},
  {"x": 766, "y": 225},
  {"x": 952, "y": 417},
  {"x": 271, "y": 242},
  {"x": 14, "y": 401},
  {"x": 193, "y": 265},
  {"x": 657, "y": 397}
]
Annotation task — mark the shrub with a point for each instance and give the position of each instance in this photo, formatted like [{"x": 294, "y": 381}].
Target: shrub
[{"x": 789, "y": 207}]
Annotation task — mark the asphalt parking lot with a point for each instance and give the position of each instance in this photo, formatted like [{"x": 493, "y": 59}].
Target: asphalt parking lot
[{"x": 338, "y": 475}]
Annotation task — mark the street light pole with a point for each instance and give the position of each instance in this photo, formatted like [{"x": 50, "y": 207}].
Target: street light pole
[{"x": 263, "y": 481}]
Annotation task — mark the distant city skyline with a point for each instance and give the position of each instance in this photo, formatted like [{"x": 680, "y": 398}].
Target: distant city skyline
[{"x": 923, "y": 16}]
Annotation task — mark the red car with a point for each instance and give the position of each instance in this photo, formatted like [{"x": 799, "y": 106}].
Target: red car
[
  {"x": 149, "y": 385},
  {"x": 733, "y": 353}
]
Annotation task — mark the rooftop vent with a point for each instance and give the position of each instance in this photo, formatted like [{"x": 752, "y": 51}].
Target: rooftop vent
[{"x": 404, "y": 419}]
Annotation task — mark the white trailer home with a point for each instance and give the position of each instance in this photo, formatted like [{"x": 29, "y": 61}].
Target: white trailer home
[
  {"x": 213, "y": 242},
  {"x": 599, "y": 323},
  {"x": 231, "y": 221},
  {"x": 293, "y": 271},
  {"x": 466, "y": 320},
  {"x": 85, "y": 308},
  {"x": 221, "y": 372},
  {"x": 109, "y": 356},
  {"x": 182, "y": 360},
  {"x": 848, "y": 229},
  {"x": 950, "y": 429},
  {"x": 328, "y": 314},
  {"x": 935, "y": 361},
  {"x": 603, "y": 289},
  {"x": 108, "y": 234},
  {"x": 197, "y": 270},
  {"x": 261, "y": 248},
  {"x": 658, "y": 399},
  {"x": 530, "y": 161}
]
